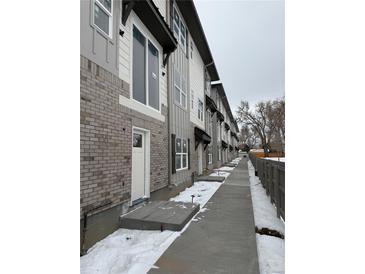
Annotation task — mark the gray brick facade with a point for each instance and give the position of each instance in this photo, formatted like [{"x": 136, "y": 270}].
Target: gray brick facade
[{"x": 106, "y": 139}]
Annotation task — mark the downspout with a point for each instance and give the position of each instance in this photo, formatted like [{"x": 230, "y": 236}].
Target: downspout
[{"x": 168, "y": 12}]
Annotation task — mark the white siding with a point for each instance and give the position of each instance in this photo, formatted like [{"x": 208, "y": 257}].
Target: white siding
[
  {"x": 196, "y": 70},
  {"x": 161, "y": 5},
  {"x": 125, "y": 54}
]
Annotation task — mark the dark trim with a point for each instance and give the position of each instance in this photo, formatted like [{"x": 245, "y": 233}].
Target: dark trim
[
  {"x": 220, "y": 116},
  {"x": 226, "y": 126},
  {"x": 149, "y": 14},
  {"x": 209, "y": 103},
  {"x": 188, "y": 153},
  {"x": 224, "y": 144},
  {"x": 173, "y": 153},
  {"x": 201, "y": 137}
]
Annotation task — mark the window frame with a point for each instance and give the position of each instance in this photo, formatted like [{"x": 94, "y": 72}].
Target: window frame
[
  {"x": 148, "y": 38},
  {"x": 109, "y": 13},
  {"x": 178, "y": 36},
  {"x": 179, "y": 102},
  {"x": 182, "y": 153},
  {"x": 200, "y": 103}
]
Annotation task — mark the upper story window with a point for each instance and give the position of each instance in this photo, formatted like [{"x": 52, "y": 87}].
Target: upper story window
[
  {"x": 200, "y": 110},
  {"x": 191, "y": 49},
  {"x": 145, "y": 70},
  {"x": 179, "y": 30},
  {"x": 103, "y": 18},
  {"x": 180, "y": 88}
]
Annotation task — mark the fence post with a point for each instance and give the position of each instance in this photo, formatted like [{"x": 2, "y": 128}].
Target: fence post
[{"x": 277, "y": 191}]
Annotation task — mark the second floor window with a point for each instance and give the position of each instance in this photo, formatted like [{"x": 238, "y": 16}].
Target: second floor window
[
  {"x": 200, "y": 110},
  {"x": 145, "y": 70},
  {"x": 103, "y": 16},
  {"x": 180, "y": 88}
]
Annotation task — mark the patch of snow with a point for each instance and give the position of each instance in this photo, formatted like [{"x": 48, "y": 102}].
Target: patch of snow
[
  {"x": 280, "y": 159},
  {"x": 271, "y": 252},
  {"x": 223, "y": 168},
  {"x": 136, "y": 251},
  {"x": 202, "y": 191},
  {"x": 220, "y": 173},
  {"x": 264, "y": 211}
]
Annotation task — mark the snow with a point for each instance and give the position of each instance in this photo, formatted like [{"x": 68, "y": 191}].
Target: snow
[
  {"x": 202, "y": 191},
  {"x": 271, "y": 250},
  {"x": 225, "y": 168},
  {"x": 220, "y": 173},
  {"x": 264, "y": 211},
  {"x": 280, "y": 159},
  {"x": 136, "y": 251}
]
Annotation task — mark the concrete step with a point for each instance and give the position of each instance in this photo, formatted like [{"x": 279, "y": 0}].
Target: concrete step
[
  {"x": 155, "y": 215},
  {"x": 211, "y": 178}
]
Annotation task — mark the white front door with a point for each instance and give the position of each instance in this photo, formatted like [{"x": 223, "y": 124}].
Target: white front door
[
  {"x": 200, "y": 159},
  {"x": 138, "y": 165}
]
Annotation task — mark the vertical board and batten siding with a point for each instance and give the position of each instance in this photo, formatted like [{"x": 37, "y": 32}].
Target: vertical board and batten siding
[
  {"x": 95, "y": 45},
  {"x": 196, "y": 72},
  {"x": 180, "y": 117},
  {"x": 125, "y": 55}
]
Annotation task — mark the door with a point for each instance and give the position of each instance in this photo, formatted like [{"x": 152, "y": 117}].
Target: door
[
  {"x": 200, "y": 159},
  {"x": 138, "y": 165}
]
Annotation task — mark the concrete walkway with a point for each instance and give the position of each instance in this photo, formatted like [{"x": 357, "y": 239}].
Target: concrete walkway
[{"x": 224, "y": 240}]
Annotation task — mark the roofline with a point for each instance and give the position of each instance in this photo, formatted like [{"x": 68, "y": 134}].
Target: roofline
[
  {"x": 222, "y": 93},
  {"x": 188, "y": 11}
]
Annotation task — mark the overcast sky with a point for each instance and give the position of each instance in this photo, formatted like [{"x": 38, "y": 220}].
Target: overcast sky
[{"x": 246, "y": 39}]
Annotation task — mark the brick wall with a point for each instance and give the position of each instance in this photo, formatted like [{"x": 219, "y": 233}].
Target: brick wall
[{"x": 105, "y": 139}]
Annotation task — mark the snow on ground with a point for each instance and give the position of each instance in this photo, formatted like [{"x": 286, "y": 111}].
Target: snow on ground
[
  {"x": 217, "y": 172},
  {"x": 136, "y": 251},
  {"x": 280, "y": 159},
  {"x": 271, "y": 250},
  {"x": 225, "y": 168},
  {"x": 264, "y": 211}
]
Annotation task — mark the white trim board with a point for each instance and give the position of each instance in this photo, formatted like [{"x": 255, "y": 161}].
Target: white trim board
[{"x": 132, "y": 104}]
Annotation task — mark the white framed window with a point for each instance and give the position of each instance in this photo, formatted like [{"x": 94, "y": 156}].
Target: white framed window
[
  {"x": 103, "y": 16},
  {"x": 181, "y": 156},
  {"x": 219, "y": 153},
  {"x": 192, "y": 99},
  {"x": 145, "y": 71},
  {"x": 200, "y": 110},
  {"x": 179, "y": 30},
  {"x": 180, "y": 88},
  {"x": 191, "y": 49}
]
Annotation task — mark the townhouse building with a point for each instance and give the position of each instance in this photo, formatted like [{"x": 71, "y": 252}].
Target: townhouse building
[{"x": 149, "y": 116}]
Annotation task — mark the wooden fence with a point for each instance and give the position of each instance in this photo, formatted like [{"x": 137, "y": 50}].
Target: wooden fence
[{"x": 272, "y": 176}]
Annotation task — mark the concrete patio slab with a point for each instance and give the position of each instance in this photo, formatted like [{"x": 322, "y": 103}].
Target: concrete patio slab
[
  {"x": 155, "y": 215},
  {"x": 211, "y": 178}
]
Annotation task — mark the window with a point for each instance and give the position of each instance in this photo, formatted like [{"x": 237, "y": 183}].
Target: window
[
  {"x": 103, "y": 16},
  {"x": 200, "y": 110},
  {"x": 180, "y": 88},
  {"x": 191, "y": 49},
  {"x": 210, "y": 158},
  {"x": 181, "y": 157},
  {"x": 179, "y": 30},
  {"x": 145, "y": 70},
  {"x": 137, "y": 140},
  {"x": 219, "y": 153},
  {"x": 209, "y": 121},
  {"x": 192, "y": 99}
]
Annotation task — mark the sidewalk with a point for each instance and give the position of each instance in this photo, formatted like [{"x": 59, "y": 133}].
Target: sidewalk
[{"x": 223, "y": 239}]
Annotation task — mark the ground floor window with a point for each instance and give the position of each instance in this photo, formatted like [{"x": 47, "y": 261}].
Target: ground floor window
[
  {"x": 181, "y": 156},
  {"x": 219, "y": 153}
]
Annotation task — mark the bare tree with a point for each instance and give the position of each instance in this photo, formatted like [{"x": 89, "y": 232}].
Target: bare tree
[{"x": 266, "y": 121}]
